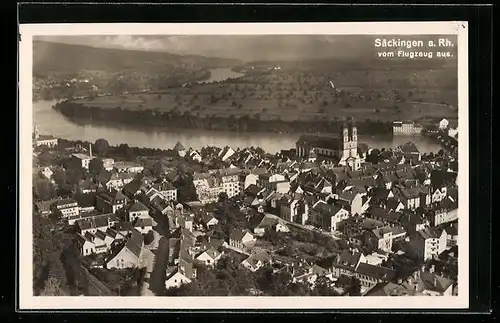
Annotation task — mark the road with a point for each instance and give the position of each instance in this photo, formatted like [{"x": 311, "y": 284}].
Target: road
[
  {"x": 157, "y": 279},
  {"x": 96, "y": 284}
]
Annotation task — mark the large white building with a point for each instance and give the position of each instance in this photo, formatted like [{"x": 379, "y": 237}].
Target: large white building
[{"x": 406, "y": 128}]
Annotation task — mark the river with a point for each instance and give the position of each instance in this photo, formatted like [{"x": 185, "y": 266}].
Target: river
[{"x": 52, "y": 122}]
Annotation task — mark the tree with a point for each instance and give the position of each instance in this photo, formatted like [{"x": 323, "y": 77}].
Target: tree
[
  {"x": 59, "y": 176},
  {"x": 74, "y": 176},
  {"x": 53, "y": 287},
  {"x": 354, "y": 287},
  {"x": 101, "y": 146},
  {"x": 96, "y": 166},
  {"x": 323, "y": 287},
  {"x": 149, "y": 237},
  {"x": 44, "y": 190}
]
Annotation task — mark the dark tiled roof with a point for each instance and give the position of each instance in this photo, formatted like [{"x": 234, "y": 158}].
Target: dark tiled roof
[
  {"x": 332, "y": 143},
  {"x": 132, "y": 187},
  {"x": 138, "y": 207},
  {"x": 238, "y": 234},
  {"x": 135, "y": 243},
  {"x": 85, "y": 200},
  {"x": 434, "y": 282},
  {"x": 378, "y": 272}
]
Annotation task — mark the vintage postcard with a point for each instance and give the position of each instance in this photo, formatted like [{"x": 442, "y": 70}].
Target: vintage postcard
[{"x": 244, "y": 166}]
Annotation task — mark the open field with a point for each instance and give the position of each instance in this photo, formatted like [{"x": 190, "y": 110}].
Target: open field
[{"x": 306, "y": 95}]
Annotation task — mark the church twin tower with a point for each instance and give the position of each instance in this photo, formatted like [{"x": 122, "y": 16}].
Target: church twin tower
[
  {"x": 349, "y": 155},
  {"x": 343, "y": 149}
]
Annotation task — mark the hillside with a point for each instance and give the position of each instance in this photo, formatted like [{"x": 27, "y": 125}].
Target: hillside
[{"x": 49, "y": 57}]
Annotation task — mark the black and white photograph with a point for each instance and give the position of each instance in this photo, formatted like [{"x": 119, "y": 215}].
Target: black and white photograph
[{"x": 244, "y": 165}]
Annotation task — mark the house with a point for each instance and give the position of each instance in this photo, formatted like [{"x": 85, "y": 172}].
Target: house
[
  {"x": 443, "y": 212},
  {"x": 194, "y": 155},
  {"x": 180, "y": 150},
  {"x": 182, "y": 245},
  {"x": 453, "y": 132},
  {"x": 85, "y": 245},
  {"x": 176, "y": 279},
  {"x": 208, "y": 220},
  {"x": 267, "y": 180},
  {"x": 65, "y": 208},
  {"x": 428, "y": 243},
  {"x": 410, "y": 151},
  {"x": 127, "y": 167},
  {"x": 311, "y": 275},
  {"x": 390, "y": 289},
  {"x": 94, "y": 223},
  {"x": 45, "y": 207},
  {"x": 293, "y": 209},
  {"x": 208, "y": 187},
  {"x": 86, "y": 202},
  {"x": 439, "y": 194},
  {"x": 357, "y": 202},
  {"x": 260, "y": 223},
  {"x": 108, "y": 163},
  {"x": 137, "y": 210},
  {"x": 443, "y": 124},
  {"x": 230, "y": 179},
  {"x": 110, "y": 202},
  {"x": 133, "y": 188},
  {"x": 256, "y": 260},
  {"x": 123, "y": 228},
  {"x": 87, "y": 186},
  {"x": 241, "y": 239},
  {"x": 81, "y": 160},
  {"x": 167, "y": 189},
  {"x": 371, "y": 275},
  {"x": 329, "y": 216},
  {"x": 249, "y": 179},
  {"x": 46, "y": 140},
  {"x": 410, "y": 196},
  {"x": 209, "y": 257},
  {"x": 226, "y": 153},
  {"x": 347, "y": 262},
  {"x": 130, "y": 253},
  {"x": 451, "y": 230},
  {"x": 427, "y": 282},
  {"x": 382, "y": 238},
  {"x": 143, "y": 225},
  {"x": 46, "y": 172}
]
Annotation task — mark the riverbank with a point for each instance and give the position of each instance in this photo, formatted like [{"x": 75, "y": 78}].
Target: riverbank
[
  {"x": 64, "y": 89},
  {"x": 175, "y": 120}
]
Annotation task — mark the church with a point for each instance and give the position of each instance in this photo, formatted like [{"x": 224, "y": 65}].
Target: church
[{"x": 342, "y": 150}]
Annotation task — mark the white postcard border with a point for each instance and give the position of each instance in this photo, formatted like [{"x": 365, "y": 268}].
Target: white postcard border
[{"x": 25, "y": 265}]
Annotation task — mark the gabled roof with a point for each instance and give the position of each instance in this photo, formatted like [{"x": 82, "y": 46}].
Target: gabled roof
[
  {"x": 332, "y": 142},
  {"x": 382, "y": 273},
  {"x": 138, "y": 207},
  {"x": 179, "y": 147},
  {"x": 141, "y": 222},
  {"x": 435, "y": 282},
  {"x": 132, "y": 187},
  {"x": 348, "y": 258},
  {"x": 238, "y": 234},
  {"x": 135, "y": 243}
]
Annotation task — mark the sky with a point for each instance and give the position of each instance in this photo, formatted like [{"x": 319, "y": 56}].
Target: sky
[{"x": 248, "y": 47}]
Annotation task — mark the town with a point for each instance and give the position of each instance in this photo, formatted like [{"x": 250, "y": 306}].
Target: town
[{"x": 328, "y": 217}]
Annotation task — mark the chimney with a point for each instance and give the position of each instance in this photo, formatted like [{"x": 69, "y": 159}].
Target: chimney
[{"x": 90, "y": 150}]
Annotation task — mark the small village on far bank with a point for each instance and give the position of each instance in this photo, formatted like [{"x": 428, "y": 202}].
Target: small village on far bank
[{"x": 330, "y": 217}]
